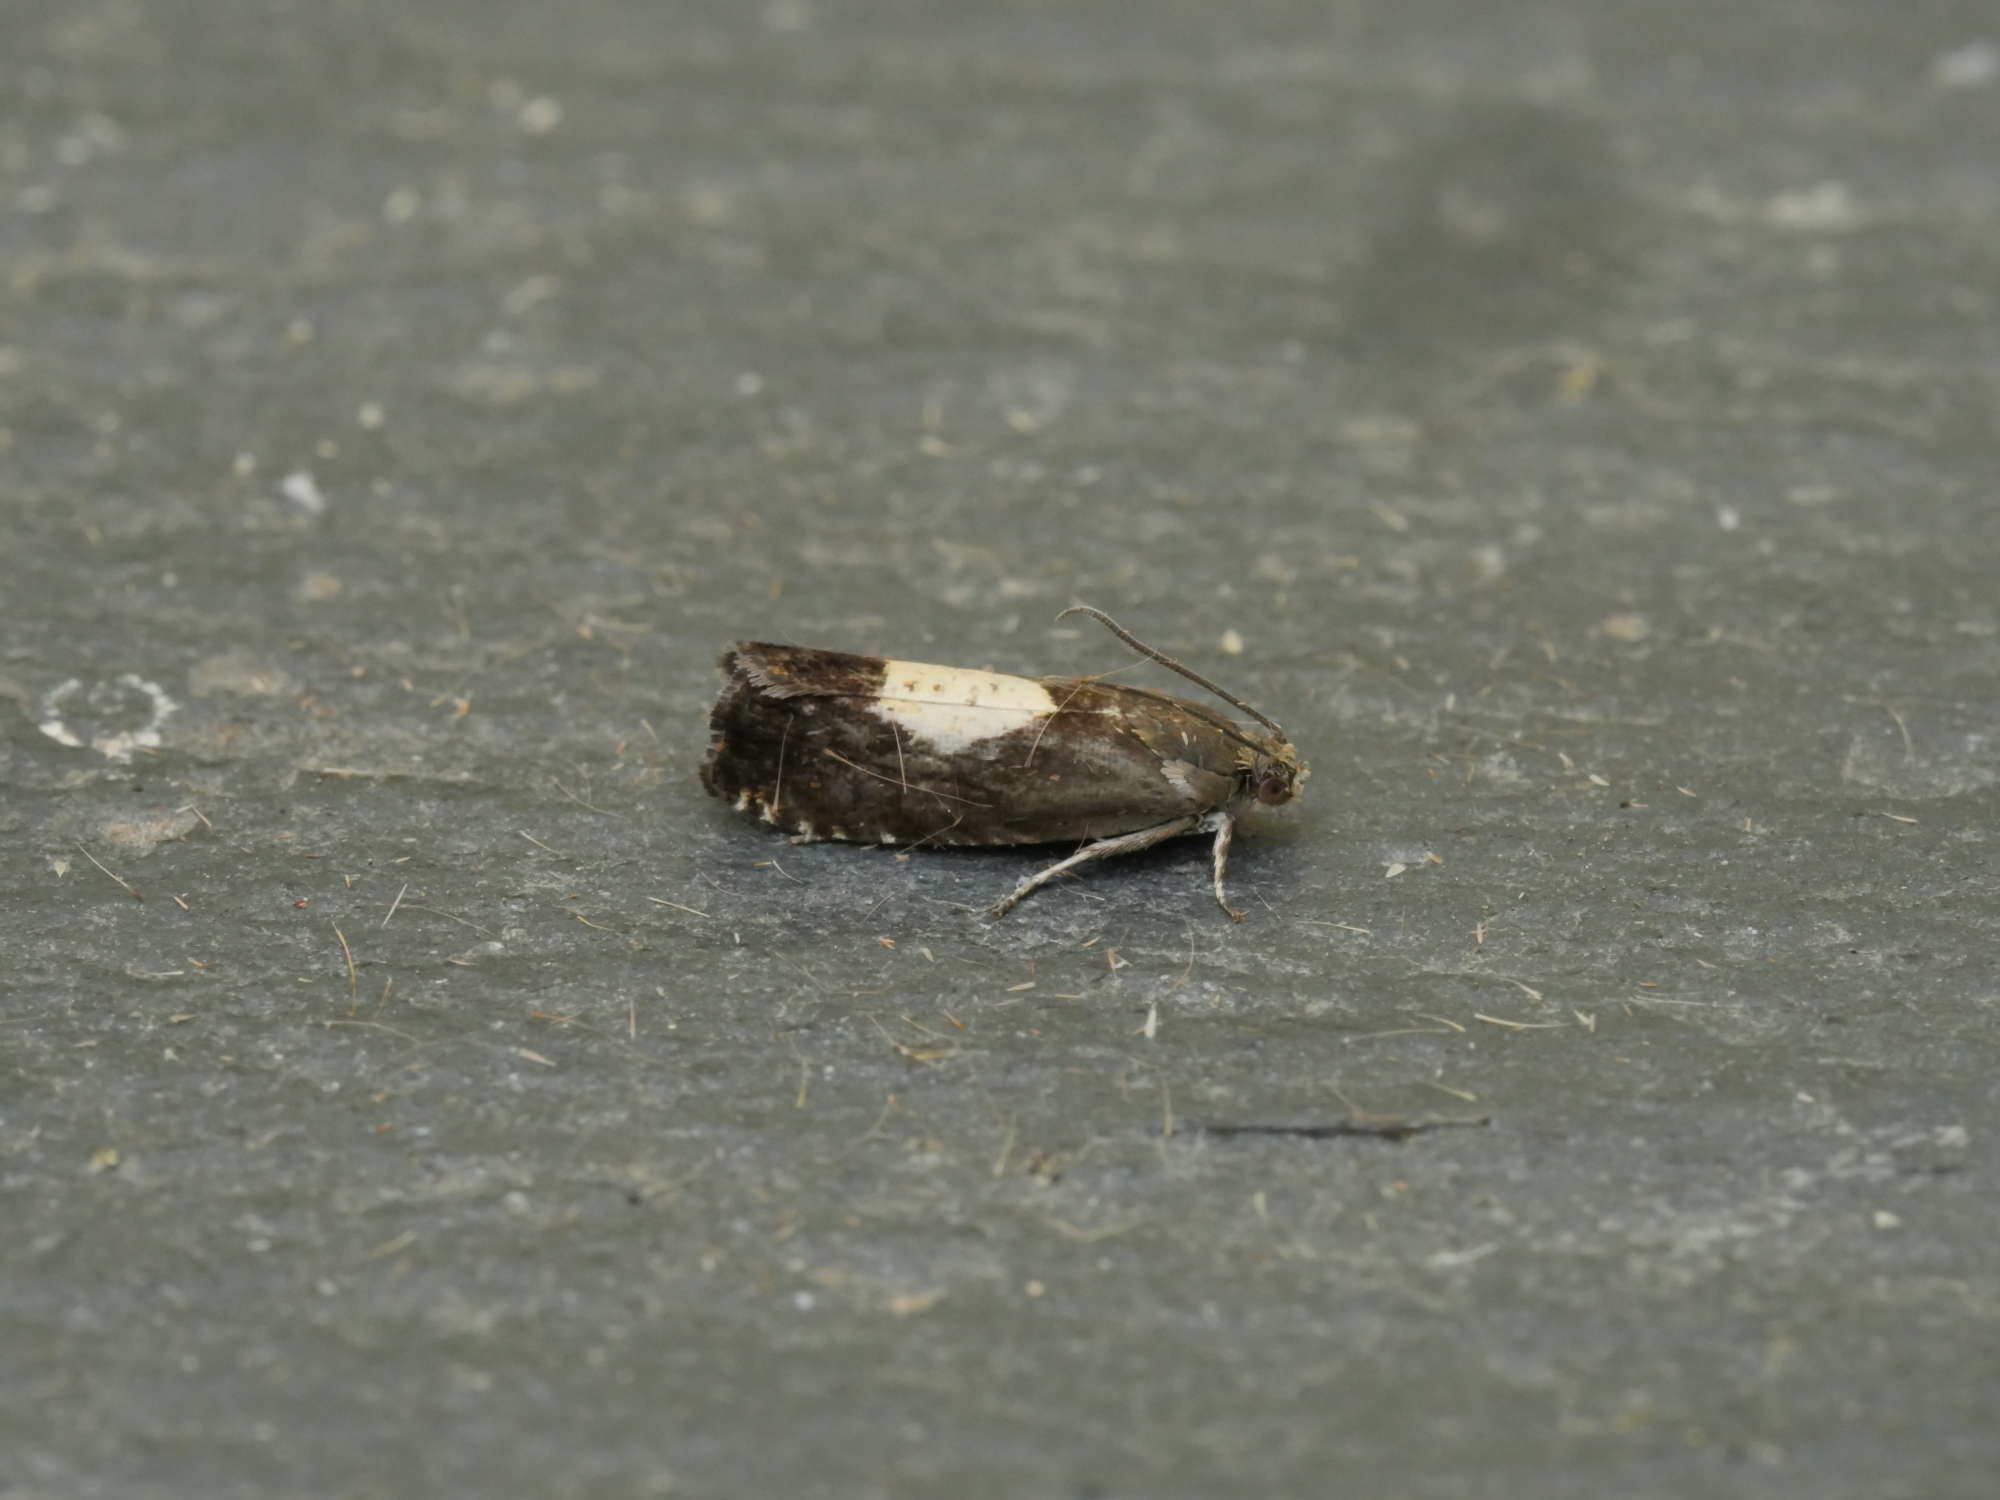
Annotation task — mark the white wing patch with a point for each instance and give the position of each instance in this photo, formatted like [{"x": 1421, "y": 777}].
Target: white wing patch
[
  {"x": 952, "y": 709},
  {"x": 1176, "y": 773}
]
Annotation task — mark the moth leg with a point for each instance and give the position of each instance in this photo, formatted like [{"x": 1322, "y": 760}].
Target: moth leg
[
  {"x": 1124, "y": 843},
  {"x": 1224, "y": 824}
]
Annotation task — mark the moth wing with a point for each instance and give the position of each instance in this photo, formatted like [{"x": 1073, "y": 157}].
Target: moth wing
[{"x": 828, "y": 744}]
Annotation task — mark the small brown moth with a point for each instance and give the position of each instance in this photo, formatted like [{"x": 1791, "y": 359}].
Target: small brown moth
[{"x": 881, "y": 751}]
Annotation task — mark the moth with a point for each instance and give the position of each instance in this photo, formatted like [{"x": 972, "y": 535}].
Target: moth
[{"x": 881, "y": 751}]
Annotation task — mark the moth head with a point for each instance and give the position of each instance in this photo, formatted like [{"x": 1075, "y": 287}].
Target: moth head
[
  {"x": 1267, "y": 767},
  {"x": 1274, "y": 774}
]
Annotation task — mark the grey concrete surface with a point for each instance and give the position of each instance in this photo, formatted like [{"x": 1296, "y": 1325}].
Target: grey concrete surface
[{"x": 1584, "y": 416}]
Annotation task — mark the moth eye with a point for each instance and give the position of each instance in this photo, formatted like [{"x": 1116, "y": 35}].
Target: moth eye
[{"x": 1274, "y": 789}]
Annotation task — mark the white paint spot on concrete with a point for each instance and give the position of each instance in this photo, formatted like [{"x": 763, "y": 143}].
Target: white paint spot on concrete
[
  {"x": 951, "y": 709},
  {"x": 303, "y": 490},
  {"x": 114, "y": 717},
  {"x": 541, "y": 115},
  {"x": 1823, "y": 208},
  {"x": 1972, "y": 66},
  {"x": 318, "y": 588},
  {"x": 787, "y": 16},
  {"x": 140, "y": 835},
  {"x": 240, "y": 673},
  {"x": 1626, "y": 627}
]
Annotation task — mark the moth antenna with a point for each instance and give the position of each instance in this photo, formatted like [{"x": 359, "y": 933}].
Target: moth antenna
[{"x": 1171, "y": 665}]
